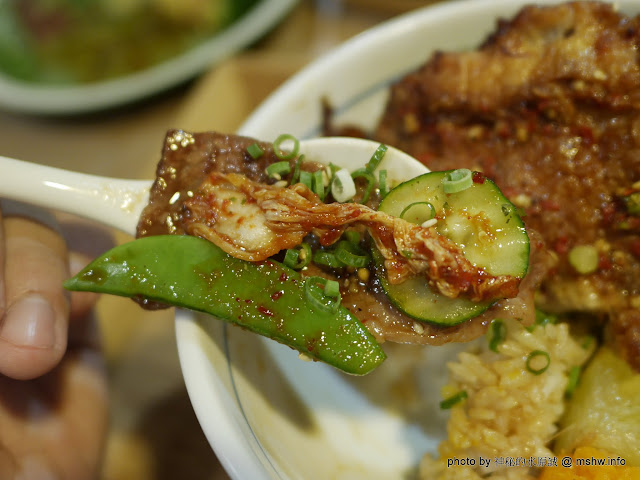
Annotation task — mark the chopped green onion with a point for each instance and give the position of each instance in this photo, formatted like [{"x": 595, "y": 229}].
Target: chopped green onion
[
  {"x": 498, "y": 334},
  {"x": 533, "y": 356},
  {"x": 542, "y": 319},
  {"x": 371, "y": 180},
  {"x": 447, "y": 403},
  {"x": 291, "y": 257},
  {"x": 352, "y": 236},
  {"x": 316, "y": 292},
  {"x": 318, "y": 184},
  {"x": 327, "y": 259},
  {"x": 332, "y": 289},
  {"x": 382, "y": 183},
  {"x": 306, "y": 178},
  {"x": 342, "y": 186},
  {"x": 584, "y": 258},
  {"x": 331, "y": 170},
  {"x": 283, "y": 154},
  {"x": 376, "y": 158},
  {"x": 351, "y": 255},
  {"x": 573, "y": 380},
  {"x": 298, "y": 257},
  {"x": 255, "y": 151},
  {"x": 632, "y": 203},
  {"x": 418, "y": 212},
  {"x": 296, "y": 170},
  {"x": 279, "y": 169},
  {"x": 457, "y": 180}
]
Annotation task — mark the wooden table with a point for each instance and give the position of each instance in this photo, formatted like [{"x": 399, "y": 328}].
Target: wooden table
[{"x": 154, "y": 433}]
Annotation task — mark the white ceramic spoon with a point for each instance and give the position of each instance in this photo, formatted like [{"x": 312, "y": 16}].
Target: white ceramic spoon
[{"x": 118, "y": 203}]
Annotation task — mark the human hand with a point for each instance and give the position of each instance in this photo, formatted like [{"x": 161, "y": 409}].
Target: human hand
[{"x": 53, "y": 395}]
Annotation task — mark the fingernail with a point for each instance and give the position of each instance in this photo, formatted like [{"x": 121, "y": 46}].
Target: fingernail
[{"x": 30, "y": 322}]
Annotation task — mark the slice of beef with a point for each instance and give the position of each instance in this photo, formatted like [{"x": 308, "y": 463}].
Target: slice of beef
[{"x": 185, "y": 161}]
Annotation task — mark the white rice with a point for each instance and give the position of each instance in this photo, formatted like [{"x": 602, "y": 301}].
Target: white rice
[{"x": 510, "y": 414}]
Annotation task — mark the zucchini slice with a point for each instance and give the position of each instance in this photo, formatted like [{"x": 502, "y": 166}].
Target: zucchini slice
[{"x": 478, "y": 218}]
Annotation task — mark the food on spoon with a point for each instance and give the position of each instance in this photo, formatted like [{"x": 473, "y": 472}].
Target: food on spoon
[
  {"x": 230, "y": 199},
  {"x": 258, "y": 203}
]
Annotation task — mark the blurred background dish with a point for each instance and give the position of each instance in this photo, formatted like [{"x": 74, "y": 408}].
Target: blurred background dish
[{"x": 73, "y": 56}]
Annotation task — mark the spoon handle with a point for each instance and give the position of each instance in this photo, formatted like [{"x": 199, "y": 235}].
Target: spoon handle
[
  {"x": 118, "y": 203},
  {"x": 113, "y": 202}
]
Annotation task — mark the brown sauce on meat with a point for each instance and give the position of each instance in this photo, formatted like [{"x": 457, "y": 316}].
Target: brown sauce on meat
[
  {"x": 549, "y": 108},
  {"x": 185, "y": 161}
]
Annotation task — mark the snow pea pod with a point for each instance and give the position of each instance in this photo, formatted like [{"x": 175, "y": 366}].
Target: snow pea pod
[{"x": 267, "y": 298}]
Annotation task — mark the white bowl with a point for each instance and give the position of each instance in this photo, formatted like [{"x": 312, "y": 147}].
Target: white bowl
[
  {"x": 266, "y": 413},
  {"x": 81, "y": 98}
]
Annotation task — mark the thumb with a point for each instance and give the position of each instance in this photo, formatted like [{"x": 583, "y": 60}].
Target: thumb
[{"x": 34, "y": 309}]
